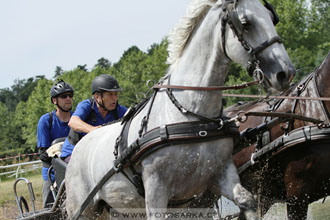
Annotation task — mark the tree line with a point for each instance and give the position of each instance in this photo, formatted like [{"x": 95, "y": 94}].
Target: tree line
[{"x": 304, "y": 28}]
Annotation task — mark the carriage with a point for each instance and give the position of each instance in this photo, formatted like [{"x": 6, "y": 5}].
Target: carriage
[
  {"x": 54, "y": 210},
  {"x": 193, "y": 138}
]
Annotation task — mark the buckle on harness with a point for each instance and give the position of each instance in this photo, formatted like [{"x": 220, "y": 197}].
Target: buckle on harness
[
  {"x": 202, "y": 133},
  {"x": 117, "y": 167},
  {"x": 221, "y": 123},
  {"x": 163, "y": 132},
  {"x": 253, "y": 158}
]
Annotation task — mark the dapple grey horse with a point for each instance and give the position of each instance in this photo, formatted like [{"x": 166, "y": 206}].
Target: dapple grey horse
[{"x": 201, "y": 47}]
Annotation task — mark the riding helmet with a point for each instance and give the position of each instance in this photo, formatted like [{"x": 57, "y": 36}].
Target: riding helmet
[
  {"x": 59, "y": 88},
  {"x": 105, "y": 82}
]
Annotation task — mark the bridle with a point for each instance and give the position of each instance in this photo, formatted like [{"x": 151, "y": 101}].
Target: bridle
[{"x": 230, "y": 17}]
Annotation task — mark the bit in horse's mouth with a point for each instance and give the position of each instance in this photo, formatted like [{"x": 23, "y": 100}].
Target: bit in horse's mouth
[
  {"x": 267, "y": 84},
  {"x": 291, "y": 78}
]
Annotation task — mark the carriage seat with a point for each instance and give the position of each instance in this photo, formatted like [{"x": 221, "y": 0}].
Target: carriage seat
[{"x": 59, "y": 167}]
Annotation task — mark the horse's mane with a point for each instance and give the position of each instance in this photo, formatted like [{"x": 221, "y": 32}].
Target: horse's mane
[{"x": 179, "y": 36}]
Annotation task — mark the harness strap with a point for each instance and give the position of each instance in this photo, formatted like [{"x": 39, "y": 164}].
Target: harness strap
[
  {"x": 144, "y": 122},
  {"x": 126, "y": 121},
  {"x": 266, "y": 44},
  {"x": 50, "y": 122},
  {"x": 298, "y": 136},
  {"x": 183, "y": 110},
  {"x": 136, "y": 180},
  {"x": 284, "y": 115},
  {"x": 175, "y": 134},
  {"x": 208, "y": 88}
]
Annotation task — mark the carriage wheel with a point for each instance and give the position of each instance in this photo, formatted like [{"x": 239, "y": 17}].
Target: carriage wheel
[
  {"x": 62, "y": 209},
  {"x": 23, "y": 203}
]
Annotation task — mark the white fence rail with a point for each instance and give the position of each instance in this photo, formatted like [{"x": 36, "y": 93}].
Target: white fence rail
[{"x": 33, "y": 165}]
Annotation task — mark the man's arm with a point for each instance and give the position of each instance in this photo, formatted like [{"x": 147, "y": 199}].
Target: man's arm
[{"x": 79, "y": 125}]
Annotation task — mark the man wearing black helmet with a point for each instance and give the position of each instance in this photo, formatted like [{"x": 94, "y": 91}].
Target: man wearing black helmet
[
  {"x": 51, "y": 126},
  {"x": 92, "y": 113}
]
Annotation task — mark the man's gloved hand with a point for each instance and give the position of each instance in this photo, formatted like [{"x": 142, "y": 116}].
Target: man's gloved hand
[{"x": 44, "y": 156}]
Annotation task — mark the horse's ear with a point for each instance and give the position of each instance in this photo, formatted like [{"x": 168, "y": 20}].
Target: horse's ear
[{"x": 271, "y": 8}]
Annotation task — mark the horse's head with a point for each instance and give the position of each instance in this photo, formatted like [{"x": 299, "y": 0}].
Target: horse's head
[{"x": 249, "y": 38}]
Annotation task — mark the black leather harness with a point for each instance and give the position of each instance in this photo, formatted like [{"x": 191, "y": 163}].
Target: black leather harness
[
  {"x": 163, "y": 136},
  {"x": 297, "y": 136},
  {"x": 206, "y": 129},
  {"x": 319, "y": 132}
]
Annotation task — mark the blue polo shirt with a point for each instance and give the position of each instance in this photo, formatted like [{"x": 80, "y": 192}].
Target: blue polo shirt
[
  {"x": 83, "y": 111},
  {"x": 46, "y": 135}
]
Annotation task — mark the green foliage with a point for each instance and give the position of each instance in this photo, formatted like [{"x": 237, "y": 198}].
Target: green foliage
[
  {"x": 103, "y": 63},
  {"x": 20, "y": 91},
  {"x": 58, "y": 72},
  {"x": 4, "y": 122},
  {"x": 38, "y": 104},
  {"x": 135, "y": 68},
  {"x": 304, "y": 28}
]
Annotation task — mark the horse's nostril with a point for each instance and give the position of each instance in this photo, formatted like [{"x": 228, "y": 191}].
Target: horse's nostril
[{"x": 281, "y": 76}]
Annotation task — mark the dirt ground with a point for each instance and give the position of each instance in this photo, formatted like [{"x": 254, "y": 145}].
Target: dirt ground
[{"x": 9, "y": 210}]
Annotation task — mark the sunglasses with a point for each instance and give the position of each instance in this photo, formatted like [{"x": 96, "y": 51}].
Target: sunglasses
[{"x": 64, "y": 96}]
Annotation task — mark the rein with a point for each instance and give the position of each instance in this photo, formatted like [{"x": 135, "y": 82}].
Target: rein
[
  {"x": 208, "y": 88},
  {"x": 277, "y": 97},
  {"x": 283, "y": 115}
]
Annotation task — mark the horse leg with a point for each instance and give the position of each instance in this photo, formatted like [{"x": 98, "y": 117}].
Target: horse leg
[
  {"x": 156, "y": 197},
  {"x": 297, "y": 209},
  {"x": 264, "y": 204},
  {"x": 75, "y": 195},
  {"x": 231, "y": 188},
  {"x": 297, "y": 190}
]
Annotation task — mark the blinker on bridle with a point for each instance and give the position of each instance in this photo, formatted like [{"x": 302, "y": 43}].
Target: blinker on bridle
[{"x": 230, "y": 16}]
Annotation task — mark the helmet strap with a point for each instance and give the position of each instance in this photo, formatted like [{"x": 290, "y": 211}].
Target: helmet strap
[
  {"x": 63, "y": 109},
  {"x": 102, "y": 104}
]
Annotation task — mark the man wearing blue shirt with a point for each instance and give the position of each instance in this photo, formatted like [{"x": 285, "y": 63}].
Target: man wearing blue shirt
[
  {"x": 91, "y": 114},
  {"x": 51, "y": 126}
]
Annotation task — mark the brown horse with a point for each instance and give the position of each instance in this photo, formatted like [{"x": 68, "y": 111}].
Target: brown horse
[{"x": 298, "y": 174}]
